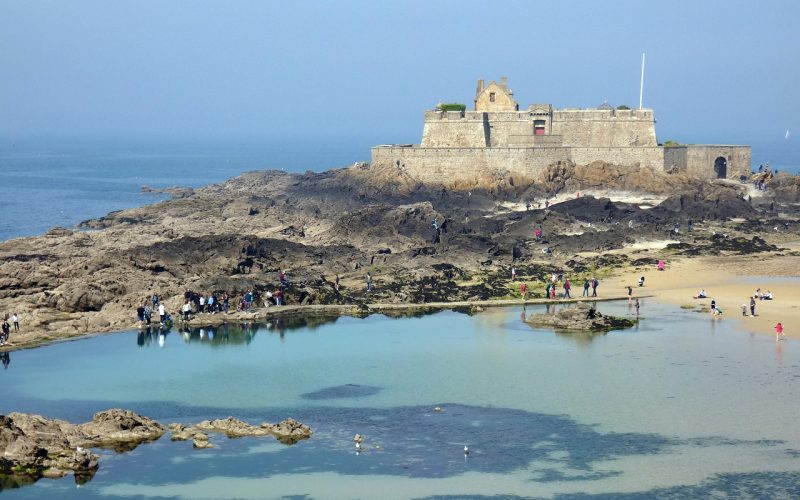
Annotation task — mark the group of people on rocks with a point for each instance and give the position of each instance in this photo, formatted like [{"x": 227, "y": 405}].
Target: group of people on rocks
[
  {"x": 555, "y": 278},
  {"x": 144, "y": 313},
  {"x": 211, "y": 302},
  {"x": 5, "y": 333}
]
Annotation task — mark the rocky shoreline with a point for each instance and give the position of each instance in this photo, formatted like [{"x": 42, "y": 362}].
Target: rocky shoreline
[
  {"x": 237, "y": 237},
  {"x": 34, "y": 447}
]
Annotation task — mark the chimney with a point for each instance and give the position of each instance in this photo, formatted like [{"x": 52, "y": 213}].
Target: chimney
[
  {"x": 503, "y": 80},
  {"x": 480, "y": 87}
]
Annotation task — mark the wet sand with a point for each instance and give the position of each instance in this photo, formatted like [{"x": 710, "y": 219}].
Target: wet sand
[{"x": 731, "y": 281}]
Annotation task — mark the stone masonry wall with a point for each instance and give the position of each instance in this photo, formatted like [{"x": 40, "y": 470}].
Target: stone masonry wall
[
  {"x": 700, "y": 160},
  {"x": 592, "y": 128},
  {"x": 446, "y": 164}
]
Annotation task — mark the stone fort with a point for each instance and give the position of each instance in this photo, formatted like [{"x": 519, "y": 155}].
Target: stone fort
[{"x": 498, "y": 137}]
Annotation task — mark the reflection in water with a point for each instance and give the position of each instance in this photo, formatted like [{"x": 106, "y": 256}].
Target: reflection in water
[
  {"x": 5, "y": 357},
  {"x": 231, "y": 333}
]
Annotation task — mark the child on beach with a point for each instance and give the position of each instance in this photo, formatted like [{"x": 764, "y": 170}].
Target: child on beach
[
  {"x": 779, "y": 332},
  {"x": 744, "y": 310}
]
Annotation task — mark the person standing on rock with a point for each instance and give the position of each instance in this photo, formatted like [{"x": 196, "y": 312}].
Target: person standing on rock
[
  {"x": 187, "y": 310},
  {"x": 162, "y": 313},
  {"x": 369, "y": 281},
  {"x": 586, "y": 286},
  {"x": 5, "y": 332},
  {"x": 595, "y": 283},
  {"x": 336, "y": 283},
  {"x": 225, "y": 302},
  {"x": 15, "y": 321},
  {"x": 567, "y": 286},
  {"x": 140, "y": 314},
  {"x": 202, "y": 304},
  {"x": 523, "y": 291},
  {"x": 513, "y": 273},
  {"x": 148, "y": 313}
]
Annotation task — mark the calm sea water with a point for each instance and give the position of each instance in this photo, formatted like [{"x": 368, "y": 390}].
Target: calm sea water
[
  {"x": 679, "y": 407},
  {"x": 63, "y": 184}
]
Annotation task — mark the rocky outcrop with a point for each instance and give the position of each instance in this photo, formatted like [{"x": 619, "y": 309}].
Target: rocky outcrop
[
  {"x": 236, "y": 236},
  {"x": 34, "y": 446},
  {"x": 288, "y": 431},
  {"x": 580, "y": 317}
]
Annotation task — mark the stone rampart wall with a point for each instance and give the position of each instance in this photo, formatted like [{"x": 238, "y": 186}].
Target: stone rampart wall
[
  {"x": 582, "y": 128},
  {"x": 652, "y": 157},
  {"x": 446, "y": 164}
]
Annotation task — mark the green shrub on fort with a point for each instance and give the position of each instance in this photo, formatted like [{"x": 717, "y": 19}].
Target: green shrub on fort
[
  {"x": 454, "y": 106},
  {"x": 672, "y": 144},
  {"x": 623, "y": 106}
]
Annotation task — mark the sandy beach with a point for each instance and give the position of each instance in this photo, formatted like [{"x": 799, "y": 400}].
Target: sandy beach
[{"x": 731, "y": 281}]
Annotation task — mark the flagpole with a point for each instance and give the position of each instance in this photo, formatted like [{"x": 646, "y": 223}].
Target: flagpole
[{"x": 641, "y": 83}]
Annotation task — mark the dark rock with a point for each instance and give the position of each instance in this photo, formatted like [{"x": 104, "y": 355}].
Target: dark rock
[{"x": 580, "y": 317}]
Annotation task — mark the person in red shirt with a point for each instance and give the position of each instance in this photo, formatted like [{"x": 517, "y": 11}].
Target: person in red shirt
[{"x": 779, "y": 332}]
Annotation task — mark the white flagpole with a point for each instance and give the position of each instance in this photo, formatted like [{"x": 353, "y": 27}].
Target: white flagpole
[{"x": 641, "y": 84}]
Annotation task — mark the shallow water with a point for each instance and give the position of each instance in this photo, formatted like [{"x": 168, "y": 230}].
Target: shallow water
[{"x": 679, "y": 406}]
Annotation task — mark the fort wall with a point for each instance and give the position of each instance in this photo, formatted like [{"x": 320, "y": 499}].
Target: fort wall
[
  {"x": 446, "y": 164},
  {"x": 499, "y": 138}
]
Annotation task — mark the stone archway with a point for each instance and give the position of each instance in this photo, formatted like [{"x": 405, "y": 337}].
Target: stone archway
[{"x": 721, "y": 167}]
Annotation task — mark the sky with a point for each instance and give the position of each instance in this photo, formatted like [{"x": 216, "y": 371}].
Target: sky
[{"x": 365, "y": 71}]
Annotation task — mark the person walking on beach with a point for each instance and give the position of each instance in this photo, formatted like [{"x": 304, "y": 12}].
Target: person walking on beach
[
  {"x": 779, "y": 332},
  {"x": 15, "y": 321},
  {"x": 567, "y": 286},
  {"x": 595, "y": 283},
  {"x": 752, "y": 306},
  {"x": 369, "y": 281},
  {"x": 713, "y": 306},
  {"x": 636, "y": 305}
]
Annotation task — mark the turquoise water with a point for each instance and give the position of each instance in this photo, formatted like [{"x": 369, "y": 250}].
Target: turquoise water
[{"x": 679, "y": 406}]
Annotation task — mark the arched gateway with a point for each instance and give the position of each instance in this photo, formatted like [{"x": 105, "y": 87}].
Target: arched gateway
[{"x": 721, "y": 167}]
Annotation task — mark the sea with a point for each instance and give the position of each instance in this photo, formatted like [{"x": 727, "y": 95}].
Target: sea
[
  {"x": 61, "y": 183},
  {"x": 683, "y": 405}
]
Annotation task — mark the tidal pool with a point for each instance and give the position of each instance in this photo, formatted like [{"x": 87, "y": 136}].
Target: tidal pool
[{"x": 679, "y": 406}]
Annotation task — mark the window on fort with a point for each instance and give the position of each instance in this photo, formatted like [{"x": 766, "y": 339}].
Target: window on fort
[
  {"x": 538, "y": 127},
  {"x": 491, "y": 96}
]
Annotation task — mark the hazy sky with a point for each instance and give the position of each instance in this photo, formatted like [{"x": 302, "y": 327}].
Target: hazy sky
[{"x": 364, "y": 71}]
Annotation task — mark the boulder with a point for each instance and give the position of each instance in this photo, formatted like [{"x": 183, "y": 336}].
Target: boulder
[
  {"x": 580, "y": 317},
  {"x": 117, "y": 428}
]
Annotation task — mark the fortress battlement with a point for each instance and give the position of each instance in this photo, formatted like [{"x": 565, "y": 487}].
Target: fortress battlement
[{"x": 496, "y": 135}]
